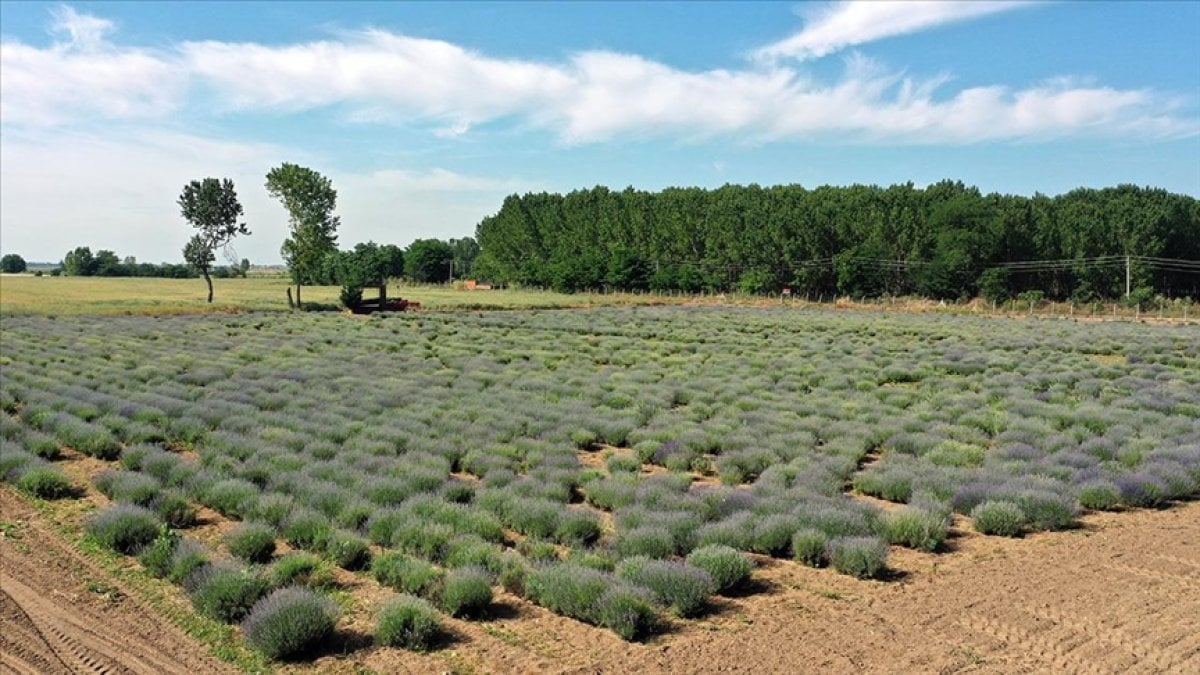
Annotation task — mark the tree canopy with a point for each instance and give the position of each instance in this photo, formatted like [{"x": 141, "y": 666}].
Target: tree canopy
[
  {"x": 12, "y": 264},
  {"x": 309, "y": 199},
  {"x": 212, "y": 207},
  {"x": 940, "y": 241}
]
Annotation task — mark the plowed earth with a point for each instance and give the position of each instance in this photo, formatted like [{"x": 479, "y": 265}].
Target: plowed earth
[
  {"x": 62, "y": 614},
  {"x": 1119, "y": 595}
]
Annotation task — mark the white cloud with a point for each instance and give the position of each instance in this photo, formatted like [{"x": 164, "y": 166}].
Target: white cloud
[
  {"x": 590, "y": 97},
  {"x": 380, "y": 75},
  {"x": 83, "y": 31},
  {"x": 83, "y": 76},
  {"x": 836, "y": 26}
]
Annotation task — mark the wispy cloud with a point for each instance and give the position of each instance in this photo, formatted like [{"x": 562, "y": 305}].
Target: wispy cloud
[
  {"x": 836, "y": 26},
  {"x": 595, "y": 96},
  {"x": 82, "y": 75}
]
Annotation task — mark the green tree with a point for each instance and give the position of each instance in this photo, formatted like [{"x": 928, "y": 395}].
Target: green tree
[
  {"x": 211, "y": 206},
  {"x": 428, "y": 261},
  {"x": 464, "y": 251},
  {"x": 79, "y": 263},
  {"x": 309, "y": 199},
  {"x": 993, "y": 285},
  {"x": 12, "y": 264}
]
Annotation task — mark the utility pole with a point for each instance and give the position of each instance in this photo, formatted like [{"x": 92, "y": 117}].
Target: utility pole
[{"x": 1127, "y": 276}]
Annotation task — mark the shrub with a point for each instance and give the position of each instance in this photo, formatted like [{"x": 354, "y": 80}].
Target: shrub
[
  {"x": 534, "y": 517},
  {"x": 407, "y": 622},
  {"x": 428, "y": 540},
  {"x": 225, "y": 594},
  {"x": 347, "y": 550},
  {"x": 174, "y": 508},
  {"x": 809, "y": 547},
  {"x": 728, "y": 568},
  {"x": 773, "y": 534},
  {"x": 232, "y": 497},
  {"x": 252, "y": 542},
  {"x": 45, "y": 482},
  {"x": 862, "y": 557},
  {"x": 537, "y": 551},
  {"x": 91, "y": 440},
  {"x": 406, "y": 574},
  {"x": 623, "y": 464},
  {"x": 301, "y": 569},
  {"x": 127, "y": 486},
  {"x": 648, "y": 540},
  {"x": 1142, "y": 491},
  {"x": 467, "y": 592},
  {"x": 514, "y": 572},
  {"x": 1047, "y": 510},
  {"x": 186, "y": 560},
  {"x": 629, "y": 612},
  {"x": 43, "y": 445},
  {"x": 577, "y": 528},
  {"x": 736, "y": 531},
  {"x": 569, "y": 590},
  {"x": 124, "y": 528},
  {"x": 274, "y": 509},
  {"x": 680, "y": 586},
  {"x": 914, "y": 528},
  {"x": 307, "y": 530},
  {"x": 1000, "y": 518},
  {"x": 289, "y": 622},
  {"x": 1099, "y": 495},
  {"x": 156, "y": 556},
  {"x": 468, "y": 551}
]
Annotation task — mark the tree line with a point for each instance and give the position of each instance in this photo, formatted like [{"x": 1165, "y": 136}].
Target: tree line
[
  {"x": 947, "y": 240},
  {"x": 82, "y": 262}
]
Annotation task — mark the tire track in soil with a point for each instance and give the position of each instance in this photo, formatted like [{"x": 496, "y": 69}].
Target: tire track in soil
[
  {"x": 55, "y": 623},
  {"x": 1114, "y": 637},
  {"x": 1063, "y": 658},
  {"x": 23, "y": 650},
  {"x": 1186, "y": 581}
]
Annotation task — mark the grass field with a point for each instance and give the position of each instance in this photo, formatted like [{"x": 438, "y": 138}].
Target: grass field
[{"x": 22, "y": 295}]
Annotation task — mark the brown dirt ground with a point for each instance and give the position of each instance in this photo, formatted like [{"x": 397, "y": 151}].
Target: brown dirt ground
[
  {"x": 1119, "y": 595},
  {"x": 62, "y": 614}
]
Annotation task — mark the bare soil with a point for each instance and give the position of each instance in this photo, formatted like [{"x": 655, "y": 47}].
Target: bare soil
[
  {"x": 59, "y": 613},
  {"x": 1119, "y": 595}
]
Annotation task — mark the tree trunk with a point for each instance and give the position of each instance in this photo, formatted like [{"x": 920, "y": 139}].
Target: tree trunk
[
  {"x": 291, "y": 303},
  {"x": 298, "y": 304},
  {"x": 208, "y": 280}
]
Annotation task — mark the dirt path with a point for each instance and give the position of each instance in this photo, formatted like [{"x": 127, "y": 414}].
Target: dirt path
[{"x": 61, "y": 614}]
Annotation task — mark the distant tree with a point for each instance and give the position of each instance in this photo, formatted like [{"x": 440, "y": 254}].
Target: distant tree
[
  {"x": 310, "y": 200},
  {"x": 993, "y": 284},
  {"x": 244, "y": 268},
  {"x": 465, "y": 251},
  {"x": 627, "y": 270},
  {"x": 12, "y": 264},
  {"x": 107, "y": 264},
  {"x": 395, "y": 260},
  {"x": 79, "y": 263},
  {"x": 212, "y": 207},
  {"x": 428, "y": 261}
]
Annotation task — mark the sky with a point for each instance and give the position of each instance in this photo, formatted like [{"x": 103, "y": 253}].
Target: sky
[{"x": 426, "y": 115}]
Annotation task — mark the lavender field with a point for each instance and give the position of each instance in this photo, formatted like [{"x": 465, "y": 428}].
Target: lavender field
[{"x": 612, "y": 465}]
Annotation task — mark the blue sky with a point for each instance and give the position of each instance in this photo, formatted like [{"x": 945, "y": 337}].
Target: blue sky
[{"x": 426, "y": 115}]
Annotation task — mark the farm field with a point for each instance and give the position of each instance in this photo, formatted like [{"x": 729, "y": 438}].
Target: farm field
[
  {"x": 64, "y": 296},
  {"x": 659, "y": 488}
]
